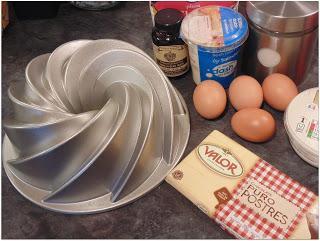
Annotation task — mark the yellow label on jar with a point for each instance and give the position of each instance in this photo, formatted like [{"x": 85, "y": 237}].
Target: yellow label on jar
[{"x": 173, "y": 59}]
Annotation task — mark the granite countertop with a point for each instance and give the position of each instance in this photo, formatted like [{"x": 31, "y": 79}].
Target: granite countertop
[{"x": 162, "y": 213}]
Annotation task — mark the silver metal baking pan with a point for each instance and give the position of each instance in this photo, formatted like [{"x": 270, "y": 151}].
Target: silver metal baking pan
[{"x": 97, "y": 125}]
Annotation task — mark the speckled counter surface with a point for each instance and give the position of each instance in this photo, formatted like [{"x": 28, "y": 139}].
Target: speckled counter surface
[{"x": 162, "y": 213}]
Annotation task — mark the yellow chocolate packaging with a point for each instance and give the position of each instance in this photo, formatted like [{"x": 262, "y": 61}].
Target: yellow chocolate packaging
[{"x": 247, "y": 196}]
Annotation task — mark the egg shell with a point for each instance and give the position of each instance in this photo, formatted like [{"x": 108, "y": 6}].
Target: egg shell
[
  {"x": 210, "y": 99},
  {"x": 279, "y": 90},
  {"x": 253, "y": 124},
  {"x": 245, "y": 92}
]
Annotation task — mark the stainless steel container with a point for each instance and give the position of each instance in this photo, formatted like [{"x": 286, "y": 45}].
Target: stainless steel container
[{"x": 282, "y": 38}]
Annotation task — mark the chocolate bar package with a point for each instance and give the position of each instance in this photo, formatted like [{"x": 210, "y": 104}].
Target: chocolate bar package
[{"x": 246, "y": 195}]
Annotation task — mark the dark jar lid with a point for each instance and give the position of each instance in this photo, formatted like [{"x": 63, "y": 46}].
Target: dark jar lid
[{"x": 168, "y": 19}]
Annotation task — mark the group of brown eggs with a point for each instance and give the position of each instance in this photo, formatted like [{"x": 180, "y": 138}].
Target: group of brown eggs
[{"x": 246, "y": 95}]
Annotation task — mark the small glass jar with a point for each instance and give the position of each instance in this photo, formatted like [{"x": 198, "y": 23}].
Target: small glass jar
[{"x": 170, "y": 52}]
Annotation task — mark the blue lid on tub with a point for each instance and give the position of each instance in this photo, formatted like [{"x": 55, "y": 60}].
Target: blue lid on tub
[
  {"x": 234, "y": 25},
  {"x": 213, "y": 26}
]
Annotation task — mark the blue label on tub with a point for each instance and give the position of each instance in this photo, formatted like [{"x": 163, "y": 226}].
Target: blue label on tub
[
  {"x": 215, "y": 36},
  {"x": 220, "y": 63},
  {"x": 218, "y": 66}
]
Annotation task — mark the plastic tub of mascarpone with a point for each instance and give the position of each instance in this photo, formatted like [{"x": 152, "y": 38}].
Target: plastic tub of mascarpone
[{"x": 214, "y": 36}]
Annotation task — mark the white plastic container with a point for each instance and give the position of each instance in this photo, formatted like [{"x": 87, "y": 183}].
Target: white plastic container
[
  {"x": 215, "y": 36},
  {"x": 302, "y": 125}
]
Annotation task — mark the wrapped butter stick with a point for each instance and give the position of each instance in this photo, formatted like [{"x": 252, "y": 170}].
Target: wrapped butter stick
[{"x": 244, "y": 194}]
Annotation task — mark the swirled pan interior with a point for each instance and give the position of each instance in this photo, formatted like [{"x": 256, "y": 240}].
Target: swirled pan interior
[{"x": 96, "y": 125}]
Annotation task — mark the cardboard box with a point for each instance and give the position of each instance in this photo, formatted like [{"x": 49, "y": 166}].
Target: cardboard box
[
  {"x": 5, "y": 15},
  {"x": 187, "y": 6},
  {"x": 246, "y": 195}
]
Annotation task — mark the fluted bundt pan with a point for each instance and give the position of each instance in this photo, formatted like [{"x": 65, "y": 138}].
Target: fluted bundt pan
[{"x": 96, "y": 125}]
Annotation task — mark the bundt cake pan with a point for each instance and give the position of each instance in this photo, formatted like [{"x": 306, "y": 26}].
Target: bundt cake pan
[{"x": 96, "y": 125}]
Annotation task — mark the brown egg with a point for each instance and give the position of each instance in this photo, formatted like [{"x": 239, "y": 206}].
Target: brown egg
[
  {"x": 278, "y": 91},
  {"x": 209, "y": 99},
  {"x": 253, "y": 124},
  {"x": 245, "y": 92}
]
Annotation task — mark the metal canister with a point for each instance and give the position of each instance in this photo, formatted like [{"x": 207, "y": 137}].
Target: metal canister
[{"x": 282, "y": 38}]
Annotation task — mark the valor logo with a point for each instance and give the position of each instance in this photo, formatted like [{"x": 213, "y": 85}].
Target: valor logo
[{"x": 219, "y": 160}]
